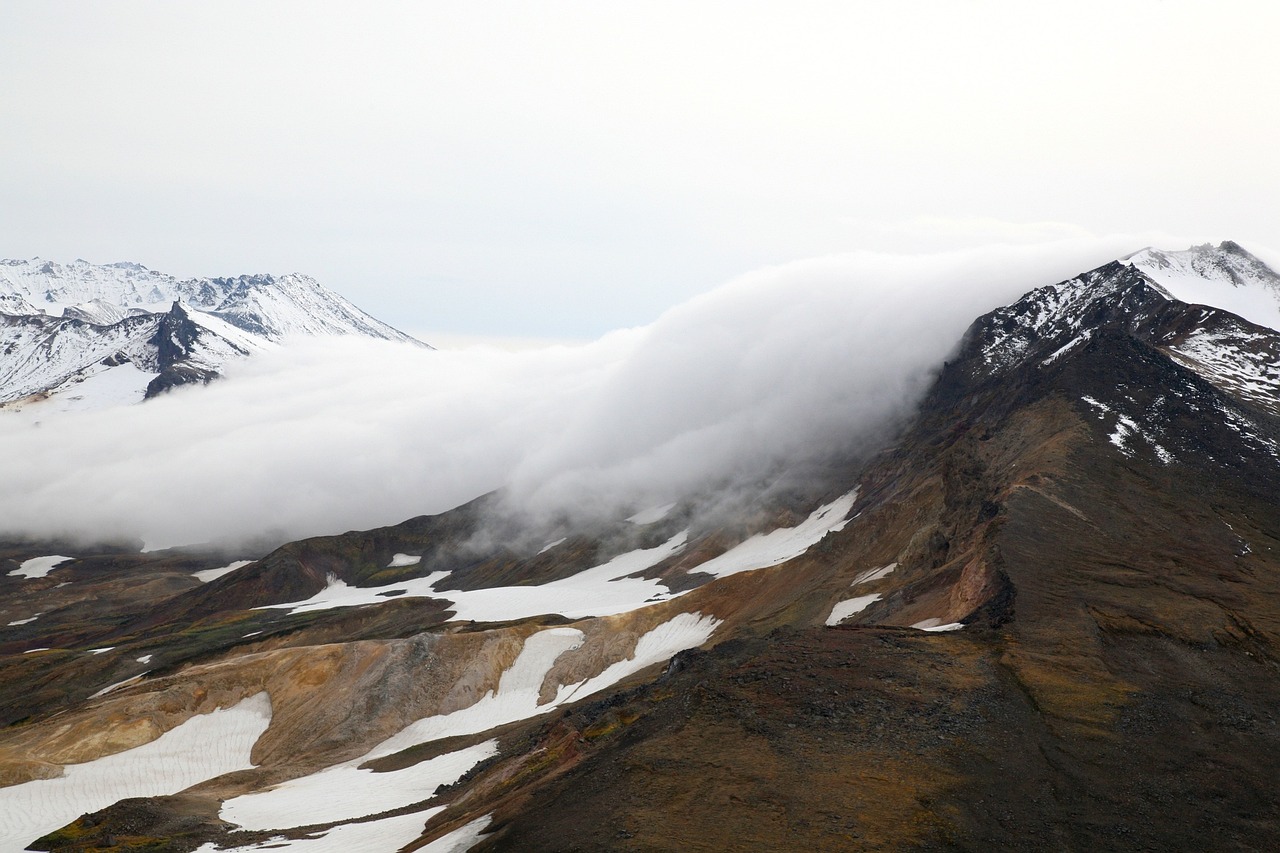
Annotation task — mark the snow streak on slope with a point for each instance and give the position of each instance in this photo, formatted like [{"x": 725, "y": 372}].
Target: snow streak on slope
[
  {"x": 346, "y": 792},
  {"x": 785, "y": 543},
  {"x": 601, "y": 591},
  {"x": 202, "y": 748},
  {"x": 388, "y": 834}
]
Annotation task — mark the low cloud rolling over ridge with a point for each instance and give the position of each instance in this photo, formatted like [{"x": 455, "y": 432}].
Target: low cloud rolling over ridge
[{"x": 329, "y": 435}]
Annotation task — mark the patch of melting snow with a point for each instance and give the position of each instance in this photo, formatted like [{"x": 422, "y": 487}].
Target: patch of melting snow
[
  {"x": 785, "y": 543},
  {"x": 25, "y": 621},
  {"x": 213, "y": 574},
  {"x": 845, "y": 609},
  {"x": 604, "y": 590},
  {"x": 400, "y": 560},
  {"x": 202, "y": 748},
  {"x": 38, "y": 567},
  {"x": 874, "y": 574},
  {"x": 101, "y": 650},
  {"x": 41, "y": 649},
  {"x": 601, "y": 591},
  {"x": 145, "y": 659},
  {"x": 652, "y": 514},
  {"x": 387, "y": 834},
  {"x": 937, "y": 625}
]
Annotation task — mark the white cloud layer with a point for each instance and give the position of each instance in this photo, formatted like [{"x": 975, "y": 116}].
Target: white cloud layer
[{"x": 326, "y": 436}]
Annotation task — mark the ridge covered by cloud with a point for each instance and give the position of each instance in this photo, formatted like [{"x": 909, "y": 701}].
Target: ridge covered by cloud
[{"x": 325, "y": 436}]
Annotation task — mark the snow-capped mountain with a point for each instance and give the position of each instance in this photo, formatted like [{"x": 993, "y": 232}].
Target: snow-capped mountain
[
  {"x": 85, "y": 334},
  {"x": 1047, "y": 613}
]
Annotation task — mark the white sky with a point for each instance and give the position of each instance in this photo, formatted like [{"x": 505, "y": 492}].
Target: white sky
[{"x": 561, "y": 169}]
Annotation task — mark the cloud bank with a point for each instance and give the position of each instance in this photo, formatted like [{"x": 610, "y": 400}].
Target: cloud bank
[{"x": 324, "y": 436}]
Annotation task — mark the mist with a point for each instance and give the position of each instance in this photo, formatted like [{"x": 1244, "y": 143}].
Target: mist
[{"x": 776, "y": 367}]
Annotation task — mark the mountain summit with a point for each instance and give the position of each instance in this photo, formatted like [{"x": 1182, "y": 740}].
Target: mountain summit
[
  {"x": 88, "y": 334},
  {"x": 1047, "y": 614}
]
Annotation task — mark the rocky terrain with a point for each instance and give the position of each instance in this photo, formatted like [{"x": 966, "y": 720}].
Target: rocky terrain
[{"x": 1045, "y": 616}]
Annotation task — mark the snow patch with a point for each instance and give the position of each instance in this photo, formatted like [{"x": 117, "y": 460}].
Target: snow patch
[
  {"x": 874, "y": 574},
  {"x": 849, "y": 607},
  {"x": 387, "y": 834},
  {"x": 399, "y": 560},
  {"x": 461, "y": 839},
  {"x": 213, "y": 574},
  {"x": 346, "y": 792},
  {"x": 937, "y": 625},
  {"x": 38, "y": 567}
]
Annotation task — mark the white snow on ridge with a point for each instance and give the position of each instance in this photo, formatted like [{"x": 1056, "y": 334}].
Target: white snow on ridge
[
  {"x": 783, "y": 544},
  {"x": 38, "y": 567},
  {"x": 398, "y": 560},
  {"x": 1220, "y": 276},
  {"x": 202, "y": 748}
]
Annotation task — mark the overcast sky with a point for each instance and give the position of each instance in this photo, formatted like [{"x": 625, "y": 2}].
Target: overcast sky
[{"x": 558, "y": 170}]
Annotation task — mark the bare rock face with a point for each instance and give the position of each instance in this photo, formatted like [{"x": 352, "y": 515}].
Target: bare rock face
[{"x": 1046, "y": 616}]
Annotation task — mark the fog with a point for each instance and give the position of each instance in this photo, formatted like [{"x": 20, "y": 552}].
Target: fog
[{"x": 773, "y": 368}]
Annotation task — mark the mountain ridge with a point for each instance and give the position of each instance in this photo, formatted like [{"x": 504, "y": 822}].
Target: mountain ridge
[
  {"x": 164, "y": 331},
  {"x": 1046, "y": 613}
]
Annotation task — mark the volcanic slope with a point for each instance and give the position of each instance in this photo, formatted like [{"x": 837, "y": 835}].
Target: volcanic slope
[
  {"x": 1046, "y": 617},
  {"x": 89, "y": 335}
]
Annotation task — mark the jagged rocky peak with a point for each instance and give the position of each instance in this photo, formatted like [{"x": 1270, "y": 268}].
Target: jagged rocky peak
[{"x": 63, "y": 320}]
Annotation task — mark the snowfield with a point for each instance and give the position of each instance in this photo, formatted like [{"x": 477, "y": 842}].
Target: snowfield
[
  {"x": 39, "y": 567},
  {"x": 202, "y": 748}
]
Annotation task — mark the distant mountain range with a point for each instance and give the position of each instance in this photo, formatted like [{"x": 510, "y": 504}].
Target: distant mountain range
[
  {"x": 1046, "y": 615},
  {"x": 87, "y": 335}
]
